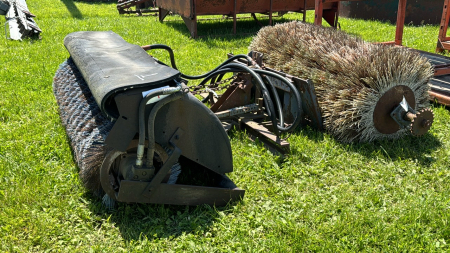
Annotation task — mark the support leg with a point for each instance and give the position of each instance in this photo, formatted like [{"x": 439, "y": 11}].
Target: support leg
[
  {"x": 319, "y": 12},
  {"x": 443, "y": 28},
  {"x": 191, "y": 25},
  {"x": 304, "y": 10},
  {"x": 270, "y": 12},
  {"x": 234, "y": 17},
  {"x": 331, "y": 15},
  {"x": 162, "y": 13},
  {"x": 400, "y": 22}
]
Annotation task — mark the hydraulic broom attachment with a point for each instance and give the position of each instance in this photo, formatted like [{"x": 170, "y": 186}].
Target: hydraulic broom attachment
[
  {"x": 364, "y": 91},
  {"x": 136, "y": 133},
  {"x": 355, "y": 90}
]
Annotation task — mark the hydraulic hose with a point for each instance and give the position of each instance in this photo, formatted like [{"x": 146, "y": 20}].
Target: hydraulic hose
[
  {"x": 241, "y": 68},
  {"x": 267, "y": 100},
  {"x": 151, "y": 124},
  {"x": 141, "y": 113},
  {"x": 165, "y": 47},
  {"x": 225, "y": 67},
  {"x": 235, "y": 57},
  {"x": 233, "y": 67},
  {"x": 172, "y": 60},
  {"x": 294, "y": 90},
  {"x": 277, "y": 101}
]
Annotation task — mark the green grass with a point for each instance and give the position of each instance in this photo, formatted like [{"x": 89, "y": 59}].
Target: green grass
[{"x": 386, "y": 196}]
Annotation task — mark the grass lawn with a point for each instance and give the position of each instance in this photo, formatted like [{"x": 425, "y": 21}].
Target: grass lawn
[{"x": 386, "y": 196}]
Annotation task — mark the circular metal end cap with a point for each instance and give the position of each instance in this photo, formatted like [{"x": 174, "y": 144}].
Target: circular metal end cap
[
  {"x": 382, "y": 119},
  {"x": 422, "y": 123}
]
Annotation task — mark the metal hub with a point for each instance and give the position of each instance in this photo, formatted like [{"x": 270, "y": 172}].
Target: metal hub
[
  {"x": 382, "y": 120},
  {"x": 110, "y": 170},
  {"x": 422, "y": 122}
]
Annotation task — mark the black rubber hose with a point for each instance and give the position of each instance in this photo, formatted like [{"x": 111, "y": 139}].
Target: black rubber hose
[
  {"x": 269, "y": 105},
  {"x": 165, "y": 47},
  {"x": 220, "y": 77},
  {"x": 294, "y": 91},
  {"x": 234, "y": 67},
  {"x": 141, "y": 115},
  {"x": 215, "y": 79},
  {"x": 268, "y": 101},
  {"x": 231, "y": 70},
  {"x": 271, "y": 108},
  {"x": 151, "y": 124},
  {"x": 212, "y": 76},
  {"x": 172, "y": 60},
  {"x": 239, "y": 56},
  {"x": 277, "y": 101},
  {"x": 220, "y": 71}
]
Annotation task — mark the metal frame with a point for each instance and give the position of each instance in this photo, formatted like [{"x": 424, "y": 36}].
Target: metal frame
[
  {"x": 255, "y": 121},
  {"x": 124, "y": 7},
  {"x": 443, "y": 42},
  {"x": 190, "y": 9}
]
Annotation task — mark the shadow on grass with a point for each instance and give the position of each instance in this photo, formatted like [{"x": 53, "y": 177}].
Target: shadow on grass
[
  {"x": 97, "y": 1},
  {"x": 209, "y": 29},
  {"x": 419, "y": 149},
  {"x": 76, "y": 13},
  {"x": 154, "y": 221},
  {"x": 73, "y": 9}
]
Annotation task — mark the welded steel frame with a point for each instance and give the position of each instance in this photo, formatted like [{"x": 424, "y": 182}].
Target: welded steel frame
[
  {"x": 440, "y": 63},
  {"x": 124, "y": 7},
  {"x": 443, "y": 42},
  {"x": 257, "y": 124},
  {"x": 189, "y": 10}
]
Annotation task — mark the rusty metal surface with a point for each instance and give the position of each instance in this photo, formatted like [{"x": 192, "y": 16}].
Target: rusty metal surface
[
  {"x": 310, "y": 105},
  {"x": 191, "y": 24},
  {"x": 270, "y": 140},
  {"x": 440, "y": 83},
  {"x": 440, "y": 98},
  {"x": 386, "y": 104},
  {"x": 417, "y": 12},
  {"x": 443, "y": 41},
  {"x": 422, "y": 122},
  {"x": 190, "y": 9},
  {"x": 222, "y": 7},
  {"x": 184, "y": 8},
  {"x": 236, "y": 95},
  {"x": 140, "y": 6},
  {"x": 237, "y": 111}
]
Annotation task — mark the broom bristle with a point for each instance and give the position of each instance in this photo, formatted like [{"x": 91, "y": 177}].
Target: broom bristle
[
  {"x": 350, "y": 75},
  {"x": 85, "y": 125}
]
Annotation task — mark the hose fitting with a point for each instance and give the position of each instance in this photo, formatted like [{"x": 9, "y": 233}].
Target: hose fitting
[{"x": 142, "y": 104}]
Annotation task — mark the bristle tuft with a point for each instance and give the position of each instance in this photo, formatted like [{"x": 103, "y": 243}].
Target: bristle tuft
[{"x": 350, "y": 75}]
